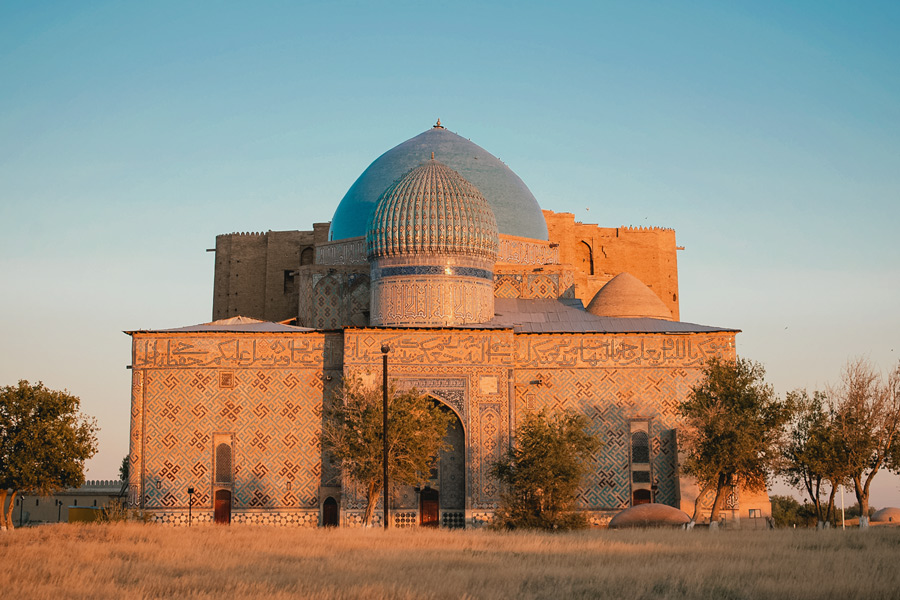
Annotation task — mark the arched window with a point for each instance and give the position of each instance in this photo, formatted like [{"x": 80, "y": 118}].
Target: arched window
[
  {"x": 640, "y": 448},
  {"x": 586, "y": 256},
  {"x": 307, "y": 256},
  {"x": 223, "y": 463}
]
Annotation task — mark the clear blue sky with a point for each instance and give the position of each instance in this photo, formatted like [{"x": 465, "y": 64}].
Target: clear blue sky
[{"x": 766, "y": 134}]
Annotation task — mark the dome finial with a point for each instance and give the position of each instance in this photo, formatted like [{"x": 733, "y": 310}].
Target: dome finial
[
  {"x": 432, "y": 155},
  {"x": 438, "y": 125}
]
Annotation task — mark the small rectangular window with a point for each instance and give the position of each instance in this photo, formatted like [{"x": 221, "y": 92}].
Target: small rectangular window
[
  {"x": 755, "y": 513},
  {"x": 640, "y": 476},
  {"x": 288, "y": 281}
]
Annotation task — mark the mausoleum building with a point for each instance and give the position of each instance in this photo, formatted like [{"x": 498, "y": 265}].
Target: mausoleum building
[{"x": 491, "y": 306}]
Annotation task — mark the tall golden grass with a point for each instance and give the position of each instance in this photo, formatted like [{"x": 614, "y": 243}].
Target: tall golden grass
[{"x": 127, "y": 560}]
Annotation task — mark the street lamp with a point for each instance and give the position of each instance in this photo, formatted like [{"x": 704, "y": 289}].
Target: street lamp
[
  {"x": 190, "y": 503},
  {"x": 384, "y": 409}
]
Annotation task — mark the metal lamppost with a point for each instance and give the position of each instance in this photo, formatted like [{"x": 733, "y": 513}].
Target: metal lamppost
[
  {"x": 384, "y": 405},
  {"x": 190, "y": 504}
]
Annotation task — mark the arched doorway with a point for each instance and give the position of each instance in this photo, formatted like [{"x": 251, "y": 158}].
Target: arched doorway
[
  {"x": 222, "y": 508},
  {"x": 429, "y": 508},
  {"x": 443, "y": 500},
  {"x": 330, "y": 512}
]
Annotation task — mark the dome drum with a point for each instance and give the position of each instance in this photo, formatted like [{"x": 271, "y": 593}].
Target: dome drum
[
  {"x": 431, "y": 243},
  {"x": 427, "y": 295}
]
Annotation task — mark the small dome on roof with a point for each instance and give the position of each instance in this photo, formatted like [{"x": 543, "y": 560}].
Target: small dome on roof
[
  {"x": 432, "y": 210},
  {"x": 626, "y": 297},
  {"x": 649, "y": 515},
  {"x": 889, "y": 514},
  {"x": 515, "y": 208}
]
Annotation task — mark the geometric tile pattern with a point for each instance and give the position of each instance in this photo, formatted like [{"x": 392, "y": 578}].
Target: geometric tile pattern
[
  {"x": 489, "y": 378},
  {"x": 533, "y": 285},
  {"x": 528, "y": 252},
  {"x": 610, "y": 398},
  {"x": 281, "y": 518},
  {"x": 273, "y": 414}
]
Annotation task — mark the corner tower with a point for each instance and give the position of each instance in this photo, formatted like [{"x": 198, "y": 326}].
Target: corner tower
[{"x": 431, "y": 243}]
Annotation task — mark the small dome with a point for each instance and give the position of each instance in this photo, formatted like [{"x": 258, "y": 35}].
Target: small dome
[
  {"x": 888, "y": 514},
  {"x": 649, "y": 515},
  {"x": 432, "y": 210},
  {"x": 626, "y": 297},
  {"x": 515, "y": 208}
]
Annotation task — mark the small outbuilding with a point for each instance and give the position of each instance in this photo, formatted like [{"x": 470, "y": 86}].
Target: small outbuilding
[
  {"x": 889, "y": 514},
  {"x": 649, "y": 515}
]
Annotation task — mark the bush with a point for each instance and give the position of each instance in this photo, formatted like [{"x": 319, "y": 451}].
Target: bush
[{"x": 787, "y": 512}]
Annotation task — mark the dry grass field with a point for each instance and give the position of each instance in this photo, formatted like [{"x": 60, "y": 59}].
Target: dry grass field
[{"x": 143, "y": 561}]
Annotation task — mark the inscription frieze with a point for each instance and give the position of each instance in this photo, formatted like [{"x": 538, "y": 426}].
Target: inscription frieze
[
  {"x": 296, "y": 350},
  {"x": 431, "y": 348},
  {"x": 620, "y": 351}
]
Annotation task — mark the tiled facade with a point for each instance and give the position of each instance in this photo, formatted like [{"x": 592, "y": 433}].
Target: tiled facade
[
  {"x": 234, "y": 408},
  {"x": 268, "y": 391}
]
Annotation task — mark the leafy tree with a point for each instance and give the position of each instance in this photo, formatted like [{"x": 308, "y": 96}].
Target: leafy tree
[
  {"x": 124, "y": 469},
  {"x": 853, "y": 511},
  {"x": 352, "y": 435},
  {"x": 734, "y": 429},
  {"x": 44, "y": 442},
  {"x": 542, "y": 472},
  {"x": 787, "y": 512},
  {"x": 815, "y": 453},
  {"x": 867, "y": 415}
]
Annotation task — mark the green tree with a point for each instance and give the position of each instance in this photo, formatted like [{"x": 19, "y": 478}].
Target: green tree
[
  {"x": 867, "y": 415},
  {"x": 541, "y": 473},
  {"x": 733, "y": 429},
  {"x": 815, "y": 453},
  {"x": 124, "y": 470},
  {"x": 787, "y": 512},
  {"x": 352, "y": 436},
  {"x": 44, "y": 442}
]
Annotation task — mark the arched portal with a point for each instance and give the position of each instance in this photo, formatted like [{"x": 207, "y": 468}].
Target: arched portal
[{"x": 447, "y": 485}]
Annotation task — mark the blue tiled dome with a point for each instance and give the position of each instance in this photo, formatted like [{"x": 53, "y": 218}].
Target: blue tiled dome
[
  {"x": 515, "y": 208},
  {"x": 432, "y": 210}
]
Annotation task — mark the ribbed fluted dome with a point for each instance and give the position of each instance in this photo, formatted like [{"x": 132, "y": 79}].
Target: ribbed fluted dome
[{"x": 432, "y": 210}]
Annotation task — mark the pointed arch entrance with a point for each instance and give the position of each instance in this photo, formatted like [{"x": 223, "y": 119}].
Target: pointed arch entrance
[
  {"x": 330, "y": 512},
  {"x": 442, "y": 502}
]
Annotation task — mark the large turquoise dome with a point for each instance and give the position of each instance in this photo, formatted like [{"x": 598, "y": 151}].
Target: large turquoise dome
[{"x": 515, "y": 207}]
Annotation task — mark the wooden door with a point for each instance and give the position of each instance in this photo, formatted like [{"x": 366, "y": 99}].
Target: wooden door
[
  {"x": 640, "y": 497},
  {"x": 222, "y": 507},
  {"x": 429, "y": 511},
  {"x": 330, "y": 512}
]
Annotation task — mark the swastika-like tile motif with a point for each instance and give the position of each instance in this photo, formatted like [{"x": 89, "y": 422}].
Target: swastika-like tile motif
[
  {"x": 611, "y": 398},
  {"x": 274, "y": 408},
  {"x": 274, "y": 415}
]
